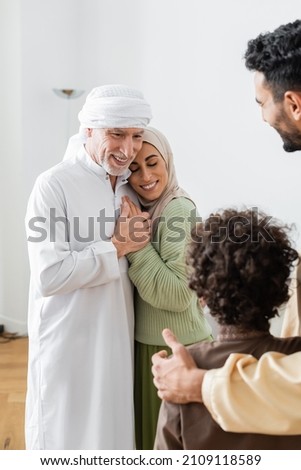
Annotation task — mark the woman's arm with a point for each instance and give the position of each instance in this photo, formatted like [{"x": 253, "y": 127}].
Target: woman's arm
[{"x": 161, "y": 277}]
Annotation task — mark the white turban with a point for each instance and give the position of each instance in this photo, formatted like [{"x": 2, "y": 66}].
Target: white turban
[{"x": 110, "y": 106}]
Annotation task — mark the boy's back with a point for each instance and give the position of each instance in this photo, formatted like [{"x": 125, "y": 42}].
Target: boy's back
[{"x": 191, "y": 426}]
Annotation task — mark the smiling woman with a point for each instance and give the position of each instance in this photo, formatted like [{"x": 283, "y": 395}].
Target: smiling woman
[{"x": 149, "y": 173}]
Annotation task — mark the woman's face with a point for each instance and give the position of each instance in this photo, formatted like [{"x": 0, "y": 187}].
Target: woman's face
[{"x": 149, "y": 173}]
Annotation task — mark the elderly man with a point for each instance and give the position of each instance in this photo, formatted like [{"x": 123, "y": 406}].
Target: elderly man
[
  {"x": 80, "y": 374},
  {"x": 273, "y": 383}
]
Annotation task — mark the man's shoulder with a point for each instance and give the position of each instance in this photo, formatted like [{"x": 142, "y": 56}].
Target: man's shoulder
[
  {"x": 56, "y": 173},
  {"x": 55, "y": 170}
]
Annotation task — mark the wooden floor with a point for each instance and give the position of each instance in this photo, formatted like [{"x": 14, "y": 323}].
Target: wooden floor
[{"x": 13, "y": 370}]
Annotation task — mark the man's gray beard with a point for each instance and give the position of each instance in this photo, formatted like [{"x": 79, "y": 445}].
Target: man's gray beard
[{"x": 113, "y": 171}]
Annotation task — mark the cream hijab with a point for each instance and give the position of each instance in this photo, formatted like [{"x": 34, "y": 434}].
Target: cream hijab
[{"x": 155, "y": 208}]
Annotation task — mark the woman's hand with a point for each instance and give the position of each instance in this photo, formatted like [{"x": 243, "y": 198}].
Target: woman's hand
[
  {"x": 133, "y": 229},
  {"x": 134, "y": 210}
]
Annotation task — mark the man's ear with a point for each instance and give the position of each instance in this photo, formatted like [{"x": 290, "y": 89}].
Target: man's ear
[
  {"x": 292, "y": 103},
  {"x": 88, "y": 132}
]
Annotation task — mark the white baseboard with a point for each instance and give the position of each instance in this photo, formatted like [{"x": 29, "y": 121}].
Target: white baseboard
[{"x": 14, "y": 326}]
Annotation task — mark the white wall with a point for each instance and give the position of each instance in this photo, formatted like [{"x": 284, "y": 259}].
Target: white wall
[
  {"x": 204, "y": 98},
  {"x": 13, "y": 259},
  {"x": 50, "y": 59},
  {"x": 187, "y": 59}
]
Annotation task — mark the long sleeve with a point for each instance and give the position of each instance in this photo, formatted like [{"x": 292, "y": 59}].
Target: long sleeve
[
  {"x": 163, "y": 269},
  {"x": 159, "y": 273},
  {"x": 56, "y": 267},
  {"x": 272, "y": 384},
  {"x": 80, "y": 313}
]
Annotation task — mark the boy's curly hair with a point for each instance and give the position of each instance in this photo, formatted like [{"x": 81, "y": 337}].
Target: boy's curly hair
[
  {"x": 240, "y": 263},
  {"x": 277, "y": 55}
]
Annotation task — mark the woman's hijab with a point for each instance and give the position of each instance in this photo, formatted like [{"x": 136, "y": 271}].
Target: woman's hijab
[{"x": 155, "y": 208}]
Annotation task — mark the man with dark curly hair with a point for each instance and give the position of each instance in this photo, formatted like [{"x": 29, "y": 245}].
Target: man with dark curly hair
[
  {"x": 275, "y": 57},
  {"x": 242, "y": 273},
  {"x": 276, "y": 60}
]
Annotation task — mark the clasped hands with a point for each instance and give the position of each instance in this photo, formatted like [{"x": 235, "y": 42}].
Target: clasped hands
[{"x": 133, "y": 228}]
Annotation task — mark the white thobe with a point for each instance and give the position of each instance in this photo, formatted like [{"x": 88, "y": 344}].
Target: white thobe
[{"x": 81, "y": 319}]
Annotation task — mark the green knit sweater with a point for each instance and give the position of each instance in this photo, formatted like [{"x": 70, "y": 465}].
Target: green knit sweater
[{"x": 159, "y": 273}]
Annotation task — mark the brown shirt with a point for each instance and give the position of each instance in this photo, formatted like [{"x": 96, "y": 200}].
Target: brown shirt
[{"x": 191, "y": 426}]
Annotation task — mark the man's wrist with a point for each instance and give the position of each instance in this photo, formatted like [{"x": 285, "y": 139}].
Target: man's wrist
[
  {"x": 197, "y": 376},
  {"x": 120, "y": 247}
]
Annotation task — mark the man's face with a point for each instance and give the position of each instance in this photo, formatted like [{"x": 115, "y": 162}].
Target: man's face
[
  {"x": 114, "y": 149},
  {"x": 276, "y": 116}
]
